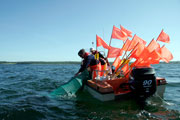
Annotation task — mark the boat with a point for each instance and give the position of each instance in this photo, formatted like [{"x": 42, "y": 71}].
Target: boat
[
  {"x": 128, "y": 80},
  {"x": 131, "y": 80},
  {"x": 141, "y": 84}
]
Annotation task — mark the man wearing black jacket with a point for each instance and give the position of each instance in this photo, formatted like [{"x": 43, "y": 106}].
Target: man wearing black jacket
[{"x": 88, "y": 61}]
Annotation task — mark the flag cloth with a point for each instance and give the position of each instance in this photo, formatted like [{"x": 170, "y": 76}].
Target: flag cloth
[
  {"x": 134, "y": 63},
  {"x": 126, "y": 45},
  {"x": 143, "y": 64},
  {"x": 137, "y": 50},
  {"x": 126, "y": 31},
  {"x": 117, "y": 63},
  {"x": 114, "y": 52},
  {"x": 150, "y": 58},
  {"x": 153, "y": 58},
  {"x": 144, "y": 54},
  {"x": 118, "y": 34},
  {"x": 100, "y": 42},
  {"x": 140, "y": 63},
  {"x": 153, "y": 45},
  {"x": 163, "y": 37},
  {"x": 134, "y": 42},
  {"x": 166, "y": 54}
]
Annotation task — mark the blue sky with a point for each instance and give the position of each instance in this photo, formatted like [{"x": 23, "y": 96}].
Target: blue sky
[{"x": 55, "y": 30}]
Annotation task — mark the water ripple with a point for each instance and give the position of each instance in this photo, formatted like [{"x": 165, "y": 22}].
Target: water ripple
[{"x": 24, "y": 94}]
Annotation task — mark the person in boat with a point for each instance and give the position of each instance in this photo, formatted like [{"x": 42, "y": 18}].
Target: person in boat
[
  {"x": 95, "y": 52},
  {"x": 102, "y": 59},
  {"x": 104, "y": 62},
  {"x": 89, "y": 61}
]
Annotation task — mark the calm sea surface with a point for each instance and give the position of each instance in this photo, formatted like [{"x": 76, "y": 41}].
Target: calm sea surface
[{"x": 25, "y": 88}]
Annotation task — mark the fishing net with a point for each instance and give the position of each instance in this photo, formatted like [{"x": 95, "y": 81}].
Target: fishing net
[{"x": 72, "y": 86}]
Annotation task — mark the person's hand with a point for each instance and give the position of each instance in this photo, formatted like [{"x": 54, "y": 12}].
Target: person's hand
[{"x": 76, "y": 74}]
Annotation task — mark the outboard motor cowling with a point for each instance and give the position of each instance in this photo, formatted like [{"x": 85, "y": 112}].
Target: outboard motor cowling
[{"x": 143, "y": 82}]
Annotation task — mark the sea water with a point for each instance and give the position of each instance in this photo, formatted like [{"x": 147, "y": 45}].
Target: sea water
[{"x": 25, "y": 89}]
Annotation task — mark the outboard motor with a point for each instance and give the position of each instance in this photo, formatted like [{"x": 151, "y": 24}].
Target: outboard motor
[{"x": 143, "y": 83}]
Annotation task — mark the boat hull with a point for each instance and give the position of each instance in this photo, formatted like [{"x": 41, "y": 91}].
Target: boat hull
[
  {"x": 100, "y": 96},
  {"x": 126, "y": 94}
]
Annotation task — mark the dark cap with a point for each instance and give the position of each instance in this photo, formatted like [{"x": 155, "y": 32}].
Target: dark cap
[{"x": 81, "y": 52}]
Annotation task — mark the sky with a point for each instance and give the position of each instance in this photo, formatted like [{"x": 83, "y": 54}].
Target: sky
[{"x": 55, "y": 30}]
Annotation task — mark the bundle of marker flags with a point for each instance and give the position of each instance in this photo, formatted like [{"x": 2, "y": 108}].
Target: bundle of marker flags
[{"x": 144, "y": 55}]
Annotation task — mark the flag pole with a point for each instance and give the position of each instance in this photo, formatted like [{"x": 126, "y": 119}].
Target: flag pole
[
  {"x": 150, "y": 42},
  {"x": 97, "y": 54},
  {"x": 121, "y": 63},
  {"x": 126, "y": 49},
  {"x": 132, "y": 50},
  {"x": 96, "y": 42},
  {"x": 127, "y": 56},
  {"x": 97, "y": 58},
  {"x": 124, "y": 44},
  {"x": 129, "y": 45},
  {"x": 108, "y": 55},
  {"x": 159, "y": 34},
  {"x": 108, "y": 52},
  {"x": 138, "y": 61},
  {"x": 125, "y": 53},
  {"x": 132, "y": 66},
  {"x": 109, "y": 46},
  {"x": 136, "y": 46}
]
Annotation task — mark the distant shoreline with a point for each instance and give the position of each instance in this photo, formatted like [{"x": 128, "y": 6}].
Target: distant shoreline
[
  {"x": 41, "y": 62},
  {"x": 59, "y": 62}
]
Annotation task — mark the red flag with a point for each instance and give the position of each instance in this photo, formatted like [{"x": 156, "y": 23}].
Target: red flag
[
  {"x": 144, "y": 54},
  {"x": 140, "y": 62},
  {"x": 143, "y": 64},
  {"x": 126, "y": 45},
  {"x": 142, "y": 57},
  {"x": 114, "y": 52},
  {"x": 100, "y": 42},
  {"x": 134, "y": 63},
  {"x": 134, "y": 42},
  {"x": 140, "y": 39},
  {"x": 118, "y": 34},
  {"x": 163, "y": 37},
  {"x": 153, "y": 45},
  {"x": 117, "y": 63},
  {"x": 137, "y": 50},
  {"x": 126, "y": 31},
  {"x": 166, "y": 54},
  {"x": 125, "y": 68},
  {"x": 153, "y": 58}
]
